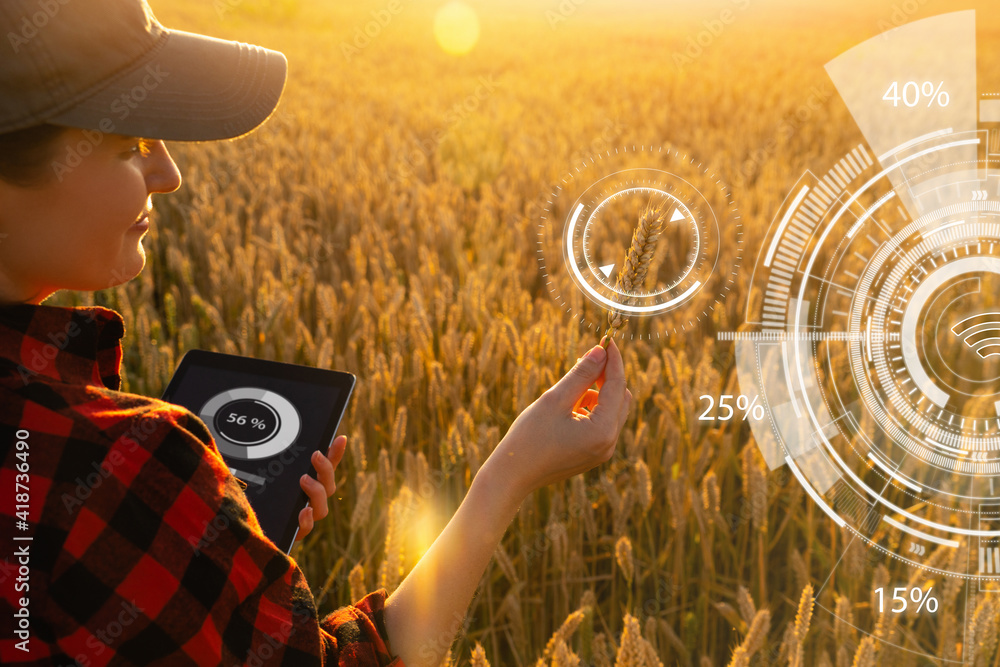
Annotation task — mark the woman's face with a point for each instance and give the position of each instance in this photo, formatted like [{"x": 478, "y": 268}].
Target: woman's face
[{"x": 77, "y": 230}]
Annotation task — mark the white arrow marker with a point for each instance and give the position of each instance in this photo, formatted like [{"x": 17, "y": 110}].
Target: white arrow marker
[
  {"x": 677, "y": 215},
  {"x": 606, "y": 270}
]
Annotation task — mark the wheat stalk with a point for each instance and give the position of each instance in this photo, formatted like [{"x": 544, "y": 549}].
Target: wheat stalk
[
  {"x": 631, "y": 651},
  {"x": 801, "y": 628},
  {"x": 643, "y": 485},
  {"x": 754, "y": 639},
  {"x": 367, "y": 485},
  {"x": 564, "y": 632},
  {"x": 711, "y": 498},
  {"x": 356, "y": 579},
  {"x": 392, "y": 568},
  {"x": 633, "y": 271},
  {"x": 865, "y": 657},
  {"x": 479, "y": 656},
  {"x": 563, "y": 656},
  {"x": 623, "y": 554},
  {"x": 600, "y": 650},
  {"x": 746, "y": 605}
]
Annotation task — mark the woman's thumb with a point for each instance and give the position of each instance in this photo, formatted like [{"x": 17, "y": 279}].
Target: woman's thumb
[{"x": 579, "y": 378}]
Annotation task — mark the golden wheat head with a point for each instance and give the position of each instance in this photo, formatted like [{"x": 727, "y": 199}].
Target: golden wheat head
[{"x": 640, "y": 254}]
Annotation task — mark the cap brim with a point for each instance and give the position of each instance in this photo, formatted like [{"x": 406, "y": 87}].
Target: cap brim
[{"x": 192, "y": 88}]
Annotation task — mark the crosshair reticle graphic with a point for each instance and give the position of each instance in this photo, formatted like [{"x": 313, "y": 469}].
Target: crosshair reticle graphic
[
  {"x": 587, "y": 226},
  {"x": 873, "y": 334}
]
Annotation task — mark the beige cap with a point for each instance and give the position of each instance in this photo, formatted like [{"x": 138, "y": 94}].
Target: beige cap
[{"x": 109, "y": 65}]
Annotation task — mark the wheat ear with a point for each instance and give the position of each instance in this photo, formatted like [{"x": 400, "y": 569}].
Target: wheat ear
[{"x": 633, "y": 272}]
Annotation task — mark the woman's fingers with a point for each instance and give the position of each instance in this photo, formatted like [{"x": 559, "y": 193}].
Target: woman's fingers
[
  {"x": 326, "y": 466},
  {"x": 337, "y": 449},
  {"x": 626, "y": 406},
  {"x": 322, "y": 487},
  {"x": 587, "y": 401},
  {"x": 306, "y": 523},
  {"x": 325, "y": 472},
  {"x": 317, "y": 494},
  {"x": 612, "y": 395}
]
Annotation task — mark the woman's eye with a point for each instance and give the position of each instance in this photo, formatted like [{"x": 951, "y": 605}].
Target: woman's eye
[{"x": 141, "y": 147}]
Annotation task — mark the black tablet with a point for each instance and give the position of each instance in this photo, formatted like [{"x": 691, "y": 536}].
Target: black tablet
[{"x": 267, "y": 418}]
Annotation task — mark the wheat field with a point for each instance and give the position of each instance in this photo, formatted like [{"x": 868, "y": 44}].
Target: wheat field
[{"x": 383, "y": 223}]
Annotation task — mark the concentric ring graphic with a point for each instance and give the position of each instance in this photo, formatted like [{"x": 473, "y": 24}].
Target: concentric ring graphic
[
  {"x": 589, "y": 220},
  {"x": 873, "y": 325}
]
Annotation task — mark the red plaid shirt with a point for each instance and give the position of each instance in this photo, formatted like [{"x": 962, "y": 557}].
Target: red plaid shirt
[{"x": 125, "y": 538}]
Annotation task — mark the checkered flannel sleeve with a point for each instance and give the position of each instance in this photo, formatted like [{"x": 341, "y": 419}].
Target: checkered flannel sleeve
[{"x": 166, "y": 562}]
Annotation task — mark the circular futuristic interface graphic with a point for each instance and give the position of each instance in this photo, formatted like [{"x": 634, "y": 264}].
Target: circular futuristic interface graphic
[
  {"x": 251, "y": 423},
  {"x": 588, "y": 224},
  {"x": 873, "y": 326},
  {"x": 882, "y": 313}
]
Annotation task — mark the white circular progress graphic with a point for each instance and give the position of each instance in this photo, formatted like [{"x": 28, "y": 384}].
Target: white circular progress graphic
[
  {"x": 251, "y": 423},
  {"x": 592, "y": 218}
]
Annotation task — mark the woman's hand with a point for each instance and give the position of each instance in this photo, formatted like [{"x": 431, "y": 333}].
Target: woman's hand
[
  {"x": 319, "y": 491},
  {"x": 570, "y": 428}
]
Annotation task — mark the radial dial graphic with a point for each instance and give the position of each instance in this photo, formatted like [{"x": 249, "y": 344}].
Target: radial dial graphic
[
  {"x": 591, "y": 216},
  {"x": 873, "y": 326}
]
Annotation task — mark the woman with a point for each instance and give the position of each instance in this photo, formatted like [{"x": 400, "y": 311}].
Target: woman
[{"x": 108, "y": 495}]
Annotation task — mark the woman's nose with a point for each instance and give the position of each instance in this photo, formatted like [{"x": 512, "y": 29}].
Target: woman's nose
[{"x": 162, "y": 175}]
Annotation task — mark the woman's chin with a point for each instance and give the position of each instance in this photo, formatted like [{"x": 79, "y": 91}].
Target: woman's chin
[{"x": 126, "y": 271}]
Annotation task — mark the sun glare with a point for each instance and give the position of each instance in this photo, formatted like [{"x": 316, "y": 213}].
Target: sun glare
[{"x": 456, "y": 28}]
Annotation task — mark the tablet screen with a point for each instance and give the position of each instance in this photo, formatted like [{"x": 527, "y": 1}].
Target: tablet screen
[{"x": 267, "y": 418}]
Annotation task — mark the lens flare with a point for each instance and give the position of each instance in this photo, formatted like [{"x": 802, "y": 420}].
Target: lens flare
[{"x": 456, "y": 28}]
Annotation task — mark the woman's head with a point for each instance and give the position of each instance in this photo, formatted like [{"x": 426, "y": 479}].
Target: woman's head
[
  {"x": 75, "y": 95},
  {"x": 74, "y": 227}
]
